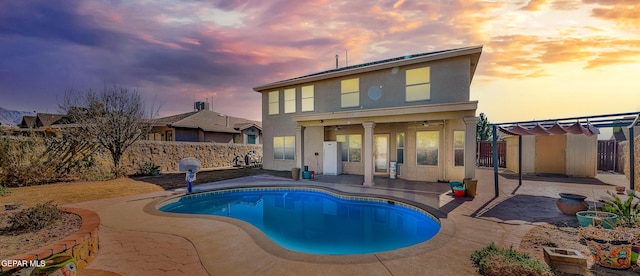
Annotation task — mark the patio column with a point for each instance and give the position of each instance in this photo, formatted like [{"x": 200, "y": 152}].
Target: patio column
[
  {"x": 367, "y": 153},
  {"x": 300, "y": 148},
  {"x": 470, "y": 146}
]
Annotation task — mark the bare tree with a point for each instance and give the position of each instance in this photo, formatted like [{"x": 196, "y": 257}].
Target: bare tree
[{"x": 115, "y": 118}]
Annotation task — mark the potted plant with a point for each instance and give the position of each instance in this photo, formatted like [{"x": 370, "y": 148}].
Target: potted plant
[
  {"x": 628, "y": 218},
  {"x": 609, "y": 248},
  {"x": 597, "y": 218}
]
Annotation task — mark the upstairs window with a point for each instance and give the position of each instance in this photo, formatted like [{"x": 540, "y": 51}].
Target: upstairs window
[
  {"x": 350, "y": 92},
  {"x": 274, "y": 102},
  {"x": 290, "y": 100},
  {"x": 307, "y": 98},
  {"x": 418, "y": 84}
]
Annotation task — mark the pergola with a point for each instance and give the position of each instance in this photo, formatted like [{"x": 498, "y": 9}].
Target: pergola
[{"x": 587, "y": 125}]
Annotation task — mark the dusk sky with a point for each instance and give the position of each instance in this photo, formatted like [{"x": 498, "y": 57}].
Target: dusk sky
[{"x": 541, "y": 58}]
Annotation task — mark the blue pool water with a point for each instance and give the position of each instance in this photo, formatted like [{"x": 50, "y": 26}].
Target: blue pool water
[{"x": 315, "y": 221}]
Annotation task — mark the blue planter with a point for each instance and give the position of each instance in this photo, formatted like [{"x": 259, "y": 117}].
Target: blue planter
[
  {"x": 306, "y": 174},
  {"x": 454, "y": 184},
  {"x": 597, "y": 218}
]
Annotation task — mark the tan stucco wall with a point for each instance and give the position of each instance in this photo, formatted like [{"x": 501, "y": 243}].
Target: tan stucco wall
[{"x": 450, "y": 79}]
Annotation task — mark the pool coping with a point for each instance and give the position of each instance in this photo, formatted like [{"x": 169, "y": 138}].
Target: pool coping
[{"x": 446, "y": 233}]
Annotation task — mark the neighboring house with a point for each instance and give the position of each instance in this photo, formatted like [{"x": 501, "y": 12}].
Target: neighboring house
[
  {"x": 45, "y": 123},
  {"x": 414, "y": 110},
  {"x": 206, "y": 126}
]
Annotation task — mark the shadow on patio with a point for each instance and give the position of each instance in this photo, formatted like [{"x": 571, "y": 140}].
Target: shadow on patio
[{"x": 530, "y": 208}]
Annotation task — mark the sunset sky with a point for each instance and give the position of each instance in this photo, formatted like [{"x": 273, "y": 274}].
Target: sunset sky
[{"x": 541, "y": 58}]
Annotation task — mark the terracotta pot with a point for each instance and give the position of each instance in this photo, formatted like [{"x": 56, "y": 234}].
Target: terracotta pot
[{"x": 570, "y": 204}]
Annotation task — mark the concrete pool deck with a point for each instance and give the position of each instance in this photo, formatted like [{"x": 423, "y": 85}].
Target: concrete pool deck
[{"x": 135, "y": 239}]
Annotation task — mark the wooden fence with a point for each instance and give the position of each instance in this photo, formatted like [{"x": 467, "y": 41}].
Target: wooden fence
[
  {"x": 608, "y": 155},
  {"x": 484, "y": 154}
]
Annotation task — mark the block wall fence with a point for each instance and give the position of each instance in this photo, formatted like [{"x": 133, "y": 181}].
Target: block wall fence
[
  {"x": 167, "y": 155},
  {"x": 623, "y": 154}
]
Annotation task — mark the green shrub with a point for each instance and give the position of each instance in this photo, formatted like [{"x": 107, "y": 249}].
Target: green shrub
[
  {"x": 4, "y": 190},
  {"x": 492, "y": 260},
  {"x": 34, "y": 218},
  {"x": 627, "y": 211},
  {"x": 149, "y": 168}
]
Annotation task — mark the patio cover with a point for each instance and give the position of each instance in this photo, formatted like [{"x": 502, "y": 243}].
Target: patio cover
[
  {"x": 543, "y": 127},
  {"x": 555, "y": 129}
]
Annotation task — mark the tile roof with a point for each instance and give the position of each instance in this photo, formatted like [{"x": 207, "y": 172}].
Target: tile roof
[
  {"x": 207, "y": 121},
  {"x": 28, "y": 122},
  {"x": 46, "y": 119}
]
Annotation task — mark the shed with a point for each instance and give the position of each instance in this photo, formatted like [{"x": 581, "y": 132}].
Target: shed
[{"x": 566, "y": 154}]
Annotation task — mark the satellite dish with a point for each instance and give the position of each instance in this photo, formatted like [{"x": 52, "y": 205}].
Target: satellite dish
[{"x": 189, "y": 164}]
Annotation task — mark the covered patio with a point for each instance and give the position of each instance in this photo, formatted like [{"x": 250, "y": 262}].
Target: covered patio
[{"x": 585, "y": 125}]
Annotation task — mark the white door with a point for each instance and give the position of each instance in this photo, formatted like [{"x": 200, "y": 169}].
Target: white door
[{"x": 381, "y": 153}]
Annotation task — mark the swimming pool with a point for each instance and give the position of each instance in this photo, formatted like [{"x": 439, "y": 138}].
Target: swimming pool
[{"x": 314, "y": 220}]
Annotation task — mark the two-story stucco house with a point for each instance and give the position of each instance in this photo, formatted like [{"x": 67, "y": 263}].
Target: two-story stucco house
[{"x": 414, "y": 110}]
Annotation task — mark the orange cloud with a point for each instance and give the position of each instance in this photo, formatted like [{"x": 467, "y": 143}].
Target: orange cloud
[
  {"x": 534, "y": 5},
  {"x": 527, "y": 56},
  {"x": 625, "y": 14},
  {"x": 613, "y": 58}
]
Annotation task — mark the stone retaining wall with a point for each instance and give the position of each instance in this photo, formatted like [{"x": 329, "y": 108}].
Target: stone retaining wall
[
  {"x": 624, "y": 160},
  {"x": 82, "y": 245},
  {"x": 167, "y": 155}
]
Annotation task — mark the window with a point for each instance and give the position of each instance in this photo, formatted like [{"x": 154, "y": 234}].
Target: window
[
  {"x": 400, "y": 147},
  {"x": 350, "y": 90},
  {"x": 418, "y": 84},
  {"x": 307, "y": 98},
  {"x": 427, "y": 144},
  {"x": 251, "y": 139},
  {"x": 284, "y": 147},
  {"x": 351, "y": 147},
  {"x": 274, "y": 104},
  {"x": 458, "y": 148},
  {"x": 290, "y": 100},
  {"x": 168, "y": 135}
]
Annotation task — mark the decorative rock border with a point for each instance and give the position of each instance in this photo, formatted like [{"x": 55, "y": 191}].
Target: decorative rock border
[{"x": 82, "y": 244}]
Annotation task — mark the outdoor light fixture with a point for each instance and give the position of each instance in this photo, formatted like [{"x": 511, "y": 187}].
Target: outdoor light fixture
[{"x": 432, "y": 123}]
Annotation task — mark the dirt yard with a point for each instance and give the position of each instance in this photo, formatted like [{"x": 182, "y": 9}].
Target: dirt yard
[{"x": 564, "y": 235}]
